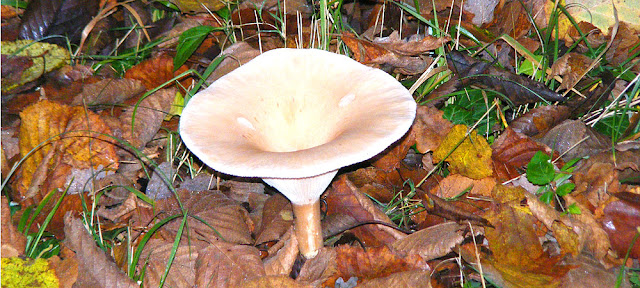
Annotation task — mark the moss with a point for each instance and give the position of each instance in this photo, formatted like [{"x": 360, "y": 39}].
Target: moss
[{"x": 27, "y": 273}]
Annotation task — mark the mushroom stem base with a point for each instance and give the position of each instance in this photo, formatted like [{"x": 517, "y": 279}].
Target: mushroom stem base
[{"x": 308, "y": 228}]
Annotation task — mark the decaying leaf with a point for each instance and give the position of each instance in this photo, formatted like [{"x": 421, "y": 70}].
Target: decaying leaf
[
  {"x": 345, "y": 198},
  {"x": 433, "y": 242},
  {"x": 375, "y": 262},
  {"x": 283, "y": 255},
  {"x": 156, "y": 71},
  {"x": 467, "y": 155},
  {"x": 413, "y": 278},
  {"x": 620, "y": 220},
  {"x": 224, "y": 264},
  {"x": 155, "y": 257},
  {"x": 319, "y": 269},
  {"x": 573, "y": 139},
  {"x": 430, "y": 128},
  {"x": 512, "y": 152},
  {"x": 44, "y": 56},
  {"x": 273, "y": 281},
  {"x": 539, "y": 120},
  {"x": 108, "y": 91},
  {"x": 79, "y": 144},
  {"x": 417, "y": 44},
  {"x": 95, "y": 268},
  {"x": 13, "y": 242},
  {"x": 235, "y": 55},
  {"x": 571, "y": 66},
  {"x": 277, "y": 218}
]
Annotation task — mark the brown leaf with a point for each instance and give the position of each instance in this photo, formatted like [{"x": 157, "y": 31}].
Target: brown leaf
[
  {"x": 66, "y": 270},
  {"x": 236, "y": 55},
  {"x": 539, "y": 120},
  {"x": 573, "y": 139},
  {"x": 273, "y": 281},
  {"x": 375, "y": 262},
  {"x": 226, "y": 216},
  {"x": 367, "y": 52},
  {"x": 280, "y": 261},
  {"x": 108, "y": 91},
  {"x": 512, "y": 152},
  {"x": 620, "y": 220},
  {"x": 433, "y": 242},
  {"x": 13, "y": 242},
  {"x": 156, "y": 71},
  {"x": 516, "y": 250},
  {"x": 155, "y": 257},
  {"x": 224, "y": 264},
  {"x": 430, "y": 128},
  {"x": 454, "y": 185},
  {"x": 319, "y": 269},
  {"x": 413, "y": 278},
  {"x": 95, "y": 268},
  {"x": 597, "y": 242},
  {"x": 571, "y": 67},
  {"x": 417, "y": 44},
  {"x": 344, "y": 198},
  {"x": 589, "y": 274},
  {"x": 391, "y": 157},
  {"x": 277, "y": 218}
]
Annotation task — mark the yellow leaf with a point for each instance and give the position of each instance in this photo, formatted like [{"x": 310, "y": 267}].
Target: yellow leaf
[
  {"x": 472, "y": 158},
  {"x": 46, "y": 57}
]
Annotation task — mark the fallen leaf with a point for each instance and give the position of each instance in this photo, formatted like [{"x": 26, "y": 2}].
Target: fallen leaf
[
  {"x": 620, "y": 220},
  {"x": 273, "y": 281},
  {"x": 430, "y": 128},
  {"x": 416, "y": 45},
  {"x": 199, "y": 5},
  {"x": 277, "y": 218},
  {"x": 454, "y": 185},
  {"x": 571, "y": 67},
  {"x": 467, "y": 155},
  {"x": 344, "y": 198},
  {"x": 156, "y": 71},
  {"x": 108, "y": 91},
  {"x": 391, "y": 158},
  {"x": 589, "y": 274},
  {"x": 597, "y": 242},
  {"x": 433, "y": 242},
  {"x": 482, "y": 10},
  {"x": 66, "y": 270},
  {"x": 235, "y": 55},
  {"x": 154, "y": 260},
  {"x": 512, "y": 152},
  {"x": 414, "y": 278},
  {"x": 280, "y": 261},
  {"x": 45, "y": 57},
  {"x": 13, "y": 242},
  {"x": 539, "y": 120},
  {"x": 95, "y": 268},
  {"x": 375, "y": 262},
  {"x": 319, "y": 269},
  {"x": 573, "y": 139},
  {"x": 224, "y": 264}
]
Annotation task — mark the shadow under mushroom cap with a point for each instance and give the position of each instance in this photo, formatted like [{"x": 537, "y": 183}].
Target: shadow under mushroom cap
[{"x": 294, "y": 113}]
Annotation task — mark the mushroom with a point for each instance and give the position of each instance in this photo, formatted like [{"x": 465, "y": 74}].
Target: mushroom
[{"x": 293, "y": 117}]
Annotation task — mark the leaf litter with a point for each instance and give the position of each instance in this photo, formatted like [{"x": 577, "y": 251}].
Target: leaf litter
[{"x": 444, "y": 200}]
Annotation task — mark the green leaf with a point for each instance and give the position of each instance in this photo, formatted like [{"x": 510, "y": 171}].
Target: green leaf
[
  {"x": 540, "y": 169},
  {"x": 574, "y": 209},
  {"x": 565, "y": 189},
  {"x": 547, "y": 196},
  {"x": 189, "y": 41}
]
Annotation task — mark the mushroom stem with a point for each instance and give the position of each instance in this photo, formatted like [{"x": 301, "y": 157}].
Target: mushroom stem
[{"x": 308, "y": 228}]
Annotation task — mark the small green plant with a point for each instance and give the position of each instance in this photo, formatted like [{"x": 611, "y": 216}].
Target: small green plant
[{"x": 541, "y": 172}]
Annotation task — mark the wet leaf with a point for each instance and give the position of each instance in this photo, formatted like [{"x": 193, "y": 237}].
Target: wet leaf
[
  {"x": 467, "y": 155},
  {"x": 60, "y": 17},
  {"x": 620, "y": 220},
  {"x": 512, "y": 152}
]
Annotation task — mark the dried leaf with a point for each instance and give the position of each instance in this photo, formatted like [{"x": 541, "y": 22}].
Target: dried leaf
[
  {"x": 200, "y": 5},
  {"x": 481, "y": 9},
  {"x": 108, "y": 91},
  {"x": 456, "y": 184},
  {"x": 156, "y": 71},
  {"x": 223, "y": 264},
  {"x": 433, "y": 242},
  {"x": 470, "y": 156},
  {"x": 226, "y": 216},
  {"x": 539, "y": 120},
  {"x": 43, "y": 18},
  {"x": 430, "y": 128},
  {"x": 319, "y": 269},
  {"x": 277, "y": 218},
  {"x": 597, "y": 242},
  {"x": 155, "y": 257},
  {"x": 574, "y": 139},
  {"x": 95, "y": 268},
  {"x": 236, "y": 55},
  {"x": 416, "y": 45},
  {"x": 283, "y": 259},
  {"x": 375, "y": 262},
  {"x": 512, "y": 152},
  {"x": 344, "y": 198},
  {"x": 79, "y": 145},
  {"x": 589, "y": 274},
  {"x": 13, "y": 242},
  {"x": 66, "y": 270},
  {"x": 273, "y": 281},
  {"x": 391, "y": 157},
  {"x": 413, "y": 278},
  {"x": 571, "y": 67}
]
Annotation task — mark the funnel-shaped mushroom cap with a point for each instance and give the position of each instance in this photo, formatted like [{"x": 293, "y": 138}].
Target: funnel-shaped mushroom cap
[{"x": 296, "y": 113}]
